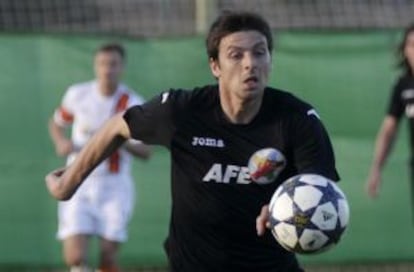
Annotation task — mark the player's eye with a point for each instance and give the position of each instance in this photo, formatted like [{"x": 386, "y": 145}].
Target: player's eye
[
  {"x": 260, "y": 52},
  {"x": 235, "y": 55}
]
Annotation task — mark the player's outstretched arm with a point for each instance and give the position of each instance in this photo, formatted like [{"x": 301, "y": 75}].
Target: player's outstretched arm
[
  {"x": 383, "y": 146},
  {"x": 62, "y": 183}
]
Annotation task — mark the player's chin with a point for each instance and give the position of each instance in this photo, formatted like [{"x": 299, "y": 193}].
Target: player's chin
[{"x": 251, "y": 93}]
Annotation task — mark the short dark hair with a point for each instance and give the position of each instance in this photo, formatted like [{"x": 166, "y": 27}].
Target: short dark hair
[
  {"x": 112, "y": 47},
  {"x": 229, "y": 22},
  {"x": 401, "y": 58}
]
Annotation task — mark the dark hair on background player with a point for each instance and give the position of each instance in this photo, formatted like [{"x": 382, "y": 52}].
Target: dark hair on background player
[
  {"x": 402, "y": 59},
  {"x": 229, "y": 22},
  {"x": 112, "y": 47}
]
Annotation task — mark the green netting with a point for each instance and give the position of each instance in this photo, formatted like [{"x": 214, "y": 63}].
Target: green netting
[{"x": 347, "y": 76}]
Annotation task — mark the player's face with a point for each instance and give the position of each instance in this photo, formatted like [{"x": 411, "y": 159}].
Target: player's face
[
  {"x": 108, "y": 67},
  {"x": 409, "y": 49},
  {"x": 243, "y": 64}
]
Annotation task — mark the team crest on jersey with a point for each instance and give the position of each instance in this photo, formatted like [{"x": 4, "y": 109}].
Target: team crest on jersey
[{"x": 266, "y": 164}]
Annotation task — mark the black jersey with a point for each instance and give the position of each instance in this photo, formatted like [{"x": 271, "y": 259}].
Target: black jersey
[
  {"x": 214, "y": 203},
  {"x": 402, "y": 102}
]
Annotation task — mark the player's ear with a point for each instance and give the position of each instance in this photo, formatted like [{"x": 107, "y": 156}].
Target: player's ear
[{"x": 215, "y": 67}]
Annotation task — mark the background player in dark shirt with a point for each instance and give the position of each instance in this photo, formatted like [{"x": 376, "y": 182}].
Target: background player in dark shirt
[
  {"x": 211, "y": 133},
  {"x": 401, "y": 102}
]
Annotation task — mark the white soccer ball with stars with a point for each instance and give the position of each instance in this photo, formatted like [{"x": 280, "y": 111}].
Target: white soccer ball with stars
[{"x": 308, "y": 213}]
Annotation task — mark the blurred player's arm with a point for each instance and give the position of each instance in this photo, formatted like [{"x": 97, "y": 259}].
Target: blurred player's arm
[
  {"x": 383, "y": 146},
  {"x": 63, "y": 145},
  {"x": 60, "y": 120},
  {"x": 138, "y": 149},
  {"x": 62, "y": 183}
]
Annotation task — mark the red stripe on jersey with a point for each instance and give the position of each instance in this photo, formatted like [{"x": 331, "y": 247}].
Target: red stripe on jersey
[
  {"x": 122, "y": 103},
  {"x": 114, "y": 160},
  {"x": 65, "y": 115}
]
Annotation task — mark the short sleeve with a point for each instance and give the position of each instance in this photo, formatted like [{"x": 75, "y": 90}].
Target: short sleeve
[
  {"x": 313, "y": 152},
  {"x": 396, "y": 106},
  {"x": 135, "y": 100},
  {"x": 154, "y": 122},
  {"x": 64, "y": 114}
]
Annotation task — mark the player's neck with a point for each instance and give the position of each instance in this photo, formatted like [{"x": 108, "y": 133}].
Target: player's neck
[
  {"x": 239, "y": 111},
  {"x": 107, "y": 89}
]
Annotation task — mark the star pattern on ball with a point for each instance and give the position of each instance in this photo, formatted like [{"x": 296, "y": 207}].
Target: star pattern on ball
[
  {"x": 291, "y": 186},
  {"x": 329, "y": 194}
]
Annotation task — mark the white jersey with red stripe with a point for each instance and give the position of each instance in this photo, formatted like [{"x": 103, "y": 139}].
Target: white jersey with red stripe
[{"x": 86, "y": 109}]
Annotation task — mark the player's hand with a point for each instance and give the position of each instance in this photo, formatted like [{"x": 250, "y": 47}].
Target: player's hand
[
  {"x": 262, "y": 221},
  {"x": 53, "y": 183},
  {"x": 373, "y": 183},
  {"x": 63, "y": 147}
]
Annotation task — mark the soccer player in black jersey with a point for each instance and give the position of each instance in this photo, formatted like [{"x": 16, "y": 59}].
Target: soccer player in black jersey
[
  {"x": 402, "y": 101},
  {"x": 218, "y": 214}
]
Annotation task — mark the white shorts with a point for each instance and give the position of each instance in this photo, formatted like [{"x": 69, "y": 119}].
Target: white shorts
[{"x": 102, "y": 206}]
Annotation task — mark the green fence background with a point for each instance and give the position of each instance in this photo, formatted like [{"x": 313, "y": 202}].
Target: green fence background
[{"x": 346, "y": 76}]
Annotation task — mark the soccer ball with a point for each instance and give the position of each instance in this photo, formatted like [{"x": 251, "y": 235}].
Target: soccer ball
[
  {"x": 308, "y": 214},
  {"x": 265, "y": 165}
]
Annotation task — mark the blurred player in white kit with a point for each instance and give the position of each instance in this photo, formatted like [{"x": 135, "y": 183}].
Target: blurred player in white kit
[{"x": 103, "y": 205}]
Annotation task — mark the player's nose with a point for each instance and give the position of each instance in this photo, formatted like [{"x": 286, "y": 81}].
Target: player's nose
[{"x": 249, "y": 61}]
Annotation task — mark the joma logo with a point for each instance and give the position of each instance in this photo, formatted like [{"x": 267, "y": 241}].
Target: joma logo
[{"x": 206, "y": 141}]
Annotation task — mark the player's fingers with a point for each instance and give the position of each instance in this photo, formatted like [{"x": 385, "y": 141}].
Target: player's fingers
[
  {"x": 50, "y": 178},
  {"x": 54, "y": 175},
  {"x": 261, "y": 221},
  {"x": 259, "y": 226},
  {"x": 53, "y": 184},
  {"x": 58, "y": 172}
]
